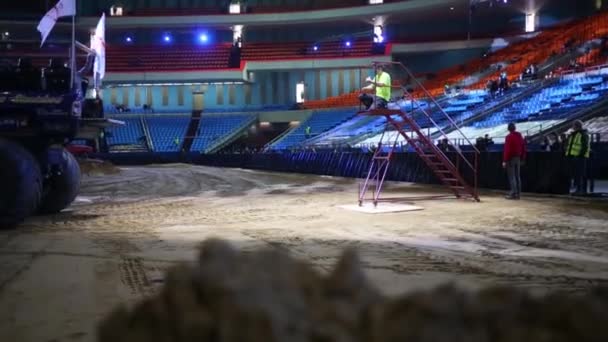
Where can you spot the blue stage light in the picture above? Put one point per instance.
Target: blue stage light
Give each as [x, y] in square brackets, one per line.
[203, 38]
[129, 39]
[347, 43]
[315, 48]
[167, 38]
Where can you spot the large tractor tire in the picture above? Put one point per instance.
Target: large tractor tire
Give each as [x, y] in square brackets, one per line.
[62, 185]
[20, 183]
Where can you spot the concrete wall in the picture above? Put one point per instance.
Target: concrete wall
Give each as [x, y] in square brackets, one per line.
[267, 88]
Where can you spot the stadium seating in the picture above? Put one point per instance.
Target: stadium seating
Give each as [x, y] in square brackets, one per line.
[167, 132]
[555, 102]
[213, 127]
[167, 58]
[459, 108]
[292, 50]
[131, 133]
[542, 109]
[319, 122]
[515, 58]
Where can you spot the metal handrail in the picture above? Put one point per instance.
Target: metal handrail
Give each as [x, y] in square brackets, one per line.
[585, 71]
[432, 98]
[429, 96]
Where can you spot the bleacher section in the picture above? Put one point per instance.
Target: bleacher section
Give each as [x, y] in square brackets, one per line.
[294, 50]
[513, 60]
[544, 108]
[132, 133]
[319, 122]
[214, 127]
[167, 58]
[167, 132]
[459, 108]
[111, 110]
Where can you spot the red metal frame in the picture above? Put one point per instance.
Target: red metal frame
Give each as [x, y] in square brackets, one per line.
[443, 168]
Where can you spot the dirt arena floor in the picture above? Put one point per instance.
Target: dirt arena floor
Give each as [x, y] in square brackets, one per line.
[60, 274]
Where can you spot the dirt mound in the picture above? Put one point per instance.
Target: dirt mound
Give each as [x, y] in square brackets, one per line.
[269, 296]
[94, 167]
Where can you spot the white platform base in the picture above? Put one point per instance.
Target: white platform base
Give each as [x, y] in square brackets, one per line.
[382, 208]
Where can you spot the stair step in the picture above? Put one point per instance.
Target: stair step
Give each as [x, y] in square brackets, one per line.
[430, 155]
[451, 180]
[443, 171]
[381, 158]
[457, 187]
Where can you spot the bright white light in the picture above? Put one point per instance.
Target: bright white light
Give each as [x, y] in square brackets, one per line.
[129, 39]
[451, 8]
[347, 44]
[203, 38]
[7, 33]
[300, 92]
[375, 2]
[167, 38]
[315, 48]
[237, 32]
[234, 8]
[378, 34]
[116, 11]
[530, 22]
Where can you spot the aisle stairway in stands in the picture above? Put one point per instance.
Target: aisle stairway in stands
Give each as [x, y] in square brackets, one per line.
[192, 128]
[129, 137]
[319, 122]
[167, 132]
[214, 130]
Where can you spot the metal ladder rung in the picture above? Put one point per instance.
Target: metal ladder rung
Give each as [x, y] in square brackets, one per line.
[457, 187]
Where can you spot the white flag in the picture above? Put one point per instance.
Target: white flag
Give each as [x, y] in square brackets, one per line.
[98, 44]
[63, 8]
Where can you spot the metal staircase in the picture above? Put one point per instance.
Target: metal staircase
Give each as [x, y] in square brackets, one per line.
[446, 170]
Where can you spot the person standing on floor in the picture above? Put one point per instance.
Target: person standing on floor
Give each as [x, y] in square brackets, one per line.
[514, 155]
[578, 148]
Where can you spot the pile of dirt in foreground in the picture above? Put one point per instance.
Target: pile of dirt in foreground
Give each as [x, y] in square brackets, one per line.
[269, 296]
[94, 167]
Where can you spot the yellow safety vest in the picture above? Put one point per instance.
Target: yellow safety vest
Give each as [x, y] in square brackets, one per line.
[575, 145]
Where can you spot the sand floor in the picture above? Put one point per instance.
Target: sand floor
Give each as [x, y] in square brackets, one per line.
[60, 274]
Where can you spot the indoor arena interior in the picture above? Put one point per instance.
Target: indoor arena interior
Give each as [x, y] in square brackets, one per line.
[281, 170]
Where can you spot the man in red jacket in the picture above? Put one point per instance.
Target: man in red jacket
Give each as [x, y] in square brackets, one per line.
[513, 156]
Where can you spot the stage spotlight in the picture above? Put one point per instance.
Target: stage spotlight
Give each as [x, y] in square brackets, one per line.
[315, 48]
[203, 38]
[167, 38]
[129, 39]
[347, 43]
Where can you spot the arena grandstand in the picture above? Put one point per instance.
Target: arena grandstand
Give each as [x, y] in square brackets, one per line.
[248, 120]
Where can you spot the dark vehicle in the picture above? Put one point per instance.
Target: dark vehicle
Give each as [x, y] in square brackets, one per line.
[41, 112]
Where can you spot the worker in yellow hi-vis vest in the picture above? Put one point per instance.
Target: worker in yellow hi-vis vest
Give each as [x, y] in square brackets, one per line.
[578, 149]
[382, 86]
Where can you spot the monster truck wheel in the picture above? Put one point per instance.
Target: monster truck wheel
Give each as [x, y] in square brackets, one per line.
[20, 183]
[61, 188]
